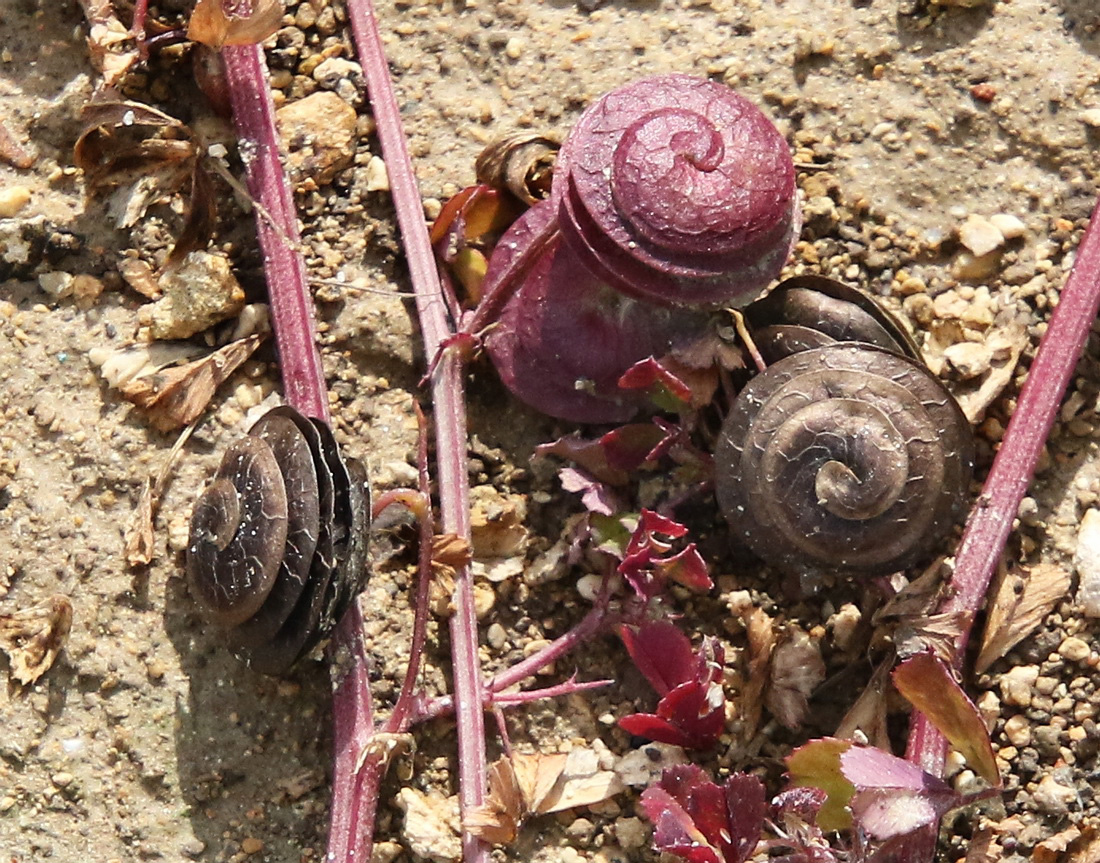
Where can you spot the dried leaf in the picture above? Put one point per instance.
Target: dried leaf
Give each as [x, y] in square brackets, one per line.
[538, 784]
[234, 22]
[139, 535]
[927, 683]
[866, 720]
[450, 552]
[143, 156]
[176, 396]
[33, 637]
[1007, 342]
[1022, 599]
[760, 630]
[796, 670]
[984, 848]
[111, 45]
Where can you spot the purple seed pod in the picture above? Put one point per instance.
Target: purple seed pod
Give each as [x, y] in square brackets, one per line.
[564, 337]
[678, 191]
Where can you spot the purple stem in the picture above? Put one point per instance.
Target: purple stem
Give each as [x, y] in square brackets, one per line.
[991, 519]
[449, 409]
[354, 785]
[277, 225]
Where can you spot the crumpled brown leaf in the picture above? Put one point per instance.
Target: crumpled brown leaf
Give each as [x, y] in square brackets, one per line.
[761, 632]
[234, 22]
[1022, 598]
[797, 669]
[538, 784]
[111, 45]
[33, 637]
[174, 396]
[142, 155]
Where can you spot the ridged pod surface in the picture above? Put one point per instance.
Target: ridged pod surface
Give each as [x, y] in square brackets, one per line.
[278, 544]
[678, 191]
[846, 458]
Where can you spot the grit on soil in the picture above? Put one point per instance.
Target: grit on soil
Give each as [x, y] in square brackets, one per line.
[146, 740]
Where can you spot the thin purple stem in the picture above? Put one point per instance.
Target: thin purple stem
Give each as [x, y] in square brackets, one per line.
[449, 409]
[277, 225]
[991, 519]
[506, 699]
[406, 700]
[354, 784]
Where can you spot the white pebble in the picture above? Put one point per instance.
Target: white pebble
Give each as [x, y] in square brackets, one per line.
[1010, 226]
[1086, 559]
[1054, 797]
[378, 180]
[980, 235]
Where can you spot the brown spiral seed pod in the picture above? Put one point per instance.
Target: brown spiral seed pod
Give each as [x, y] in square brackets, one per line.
[846, 458]
[278, 545]
[813, 311]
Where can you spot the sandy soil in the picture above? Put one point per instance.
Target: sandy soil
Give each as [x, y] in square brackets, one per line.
[146, 740]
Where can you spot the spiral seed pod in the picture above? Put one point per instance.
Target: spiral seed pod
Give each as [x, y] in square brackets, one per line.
[678, 191]
[278, 545]
[844, 458]
[813, 311]
[522, 164]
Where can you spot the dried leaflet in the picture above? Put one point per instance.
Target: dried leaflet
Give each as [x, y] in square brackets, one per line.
[234, 22]
[538, 784]
[760, 629]
[1022, 598]
[140, 156]
[33, 637]
[139, 533]
[866, 719]
[175, 396]
[111, 45]
[796, 670]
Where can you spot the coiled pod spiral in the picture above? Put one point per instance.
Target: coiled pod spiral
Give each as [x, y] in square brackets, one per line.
[278, 543]
[849, 456]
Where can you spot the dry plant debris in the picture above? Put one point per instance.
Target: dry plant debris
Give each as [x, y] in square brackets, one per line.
[32, 637]
[1022, 598]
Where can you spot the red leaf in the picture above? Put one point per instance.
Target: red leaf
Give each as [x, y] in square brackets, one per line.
[662, 653]
[686, 568]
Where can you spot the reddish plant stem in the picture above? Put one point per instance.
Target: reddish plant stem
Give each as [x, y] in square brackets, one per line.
[991, 519]
[354, 784]
[406, 701]
[277, 225]
[448, 400]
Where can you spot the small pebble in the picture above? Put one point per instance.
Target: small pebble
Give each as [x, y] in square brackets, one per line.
[1053, 797]
[252, 845]
[378, 180]
[1091, 117]
[12, 200]
[61, 780]
[1018, 730]
[1011, 227]
[969, 359]
[1086, 560]
[1016, 685]
[632, 833]
[1074, 649]
[980, 235]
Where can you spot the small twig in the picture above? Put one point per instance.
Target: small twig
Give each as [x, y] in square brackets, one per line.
[449, 410]
[991, 519]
